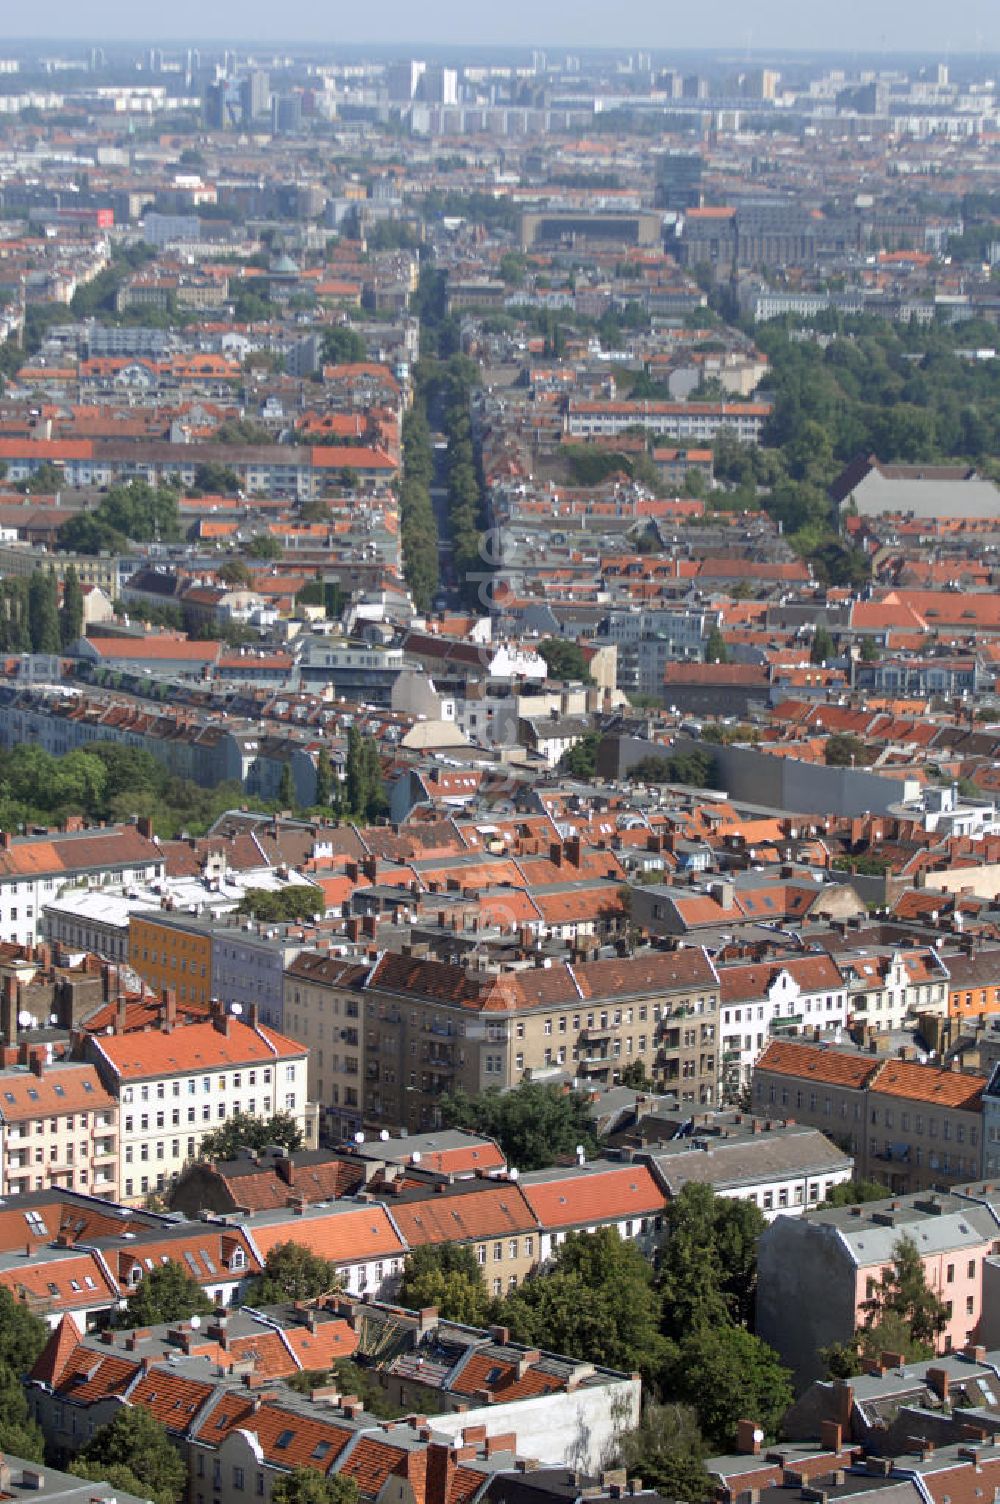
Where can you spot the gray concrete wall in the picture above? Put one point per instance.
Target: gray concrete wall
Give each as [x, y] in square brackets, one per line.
[805, 1293]
[778, 782]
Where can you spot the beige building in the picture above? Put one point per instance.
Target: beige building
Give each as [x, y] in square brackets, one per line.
[398, 1035]
[59, 1127]
[908, 1126]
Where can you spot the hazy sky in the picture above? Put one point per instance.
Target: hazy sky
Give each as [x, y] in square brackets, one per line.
[968, 26]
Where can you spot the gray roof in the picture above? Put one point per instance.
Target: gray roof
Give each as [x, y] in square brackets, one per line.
[731, 1165]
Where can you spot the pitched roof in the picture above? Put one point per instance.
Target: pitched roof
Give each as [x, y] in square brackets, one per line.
[584, 1196]
[194, 1047]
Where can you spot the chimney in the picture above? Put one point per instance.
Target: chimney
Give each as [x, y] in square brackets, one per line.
[144, 826]
[831, 1435]
[37, 1063]
[748, 1437]
[5, 840]
[843, 1394]
[939, 1381]
[168, 1009]
[556, 853]
[440, 1472]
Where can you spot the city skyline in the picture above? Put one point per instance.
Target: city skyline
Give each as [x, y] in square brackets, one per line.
[967, 27]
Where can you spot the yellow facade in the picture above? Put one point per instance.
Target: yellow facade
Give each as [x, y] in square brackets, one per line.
[168, 955]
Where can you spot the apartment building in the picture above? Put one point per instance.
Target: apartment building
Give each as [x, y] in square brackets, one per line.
[816, 1271]
[492, 1217]
[691, 423]
[35, 869]
[223, 956]
[175, 1084]
[429, 1027]
[58, 1127]
[907, 1125]
[799, 994]
[322, 1007]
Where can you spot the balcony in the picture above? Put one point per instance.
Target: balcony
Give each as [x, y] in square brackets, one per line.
[593, 1035]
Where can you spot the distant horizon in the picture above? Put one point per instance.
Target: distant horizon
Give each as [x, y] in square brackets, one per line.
[967, 28]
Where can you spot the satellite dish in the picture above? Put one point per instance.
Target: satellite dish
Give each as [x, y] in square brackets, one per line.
[384, 1135]
[359, 1138]
[195, 1323]
[236, 1008]
[514, 1173]
[25, 1019]
[415, 1157]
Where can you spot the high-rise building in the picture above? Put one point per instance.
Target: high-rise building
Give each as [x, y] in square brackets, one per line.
[286, 114]
[403, 80]
[438, 86]
[255, 95]
[678, 181]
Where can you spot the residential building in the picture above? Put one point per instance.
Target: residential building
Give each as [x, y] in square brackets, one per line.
[35, 869]
[798, 995]
[430, 1027]
[815, 1272]
[177, 1083]
[907, 1125]
[58, 1127]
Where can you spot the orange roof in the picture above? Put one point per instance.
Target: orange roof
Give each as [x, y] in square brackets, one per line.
[579, 1199]
[349, 1235]
[816, 1063]
[194, 1047]
[481, 1212]
[930, 1084]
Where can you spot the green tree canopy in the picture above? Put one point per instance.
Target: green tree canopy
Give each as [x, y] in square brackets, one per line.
[71, 611]
[166, 1292]
[727, 1374]
[136, 1441]
[902, 1315]
[241, 1131]
[19, 1433]
[844, 750]
[533, 1124]
[292, 1272]
[854, 1192]
[565, 660]
[305, 1485]
[715, 647]
[821, 649]
[667, 1451]
[342, 346]
[596, 1298]
[446, 1275]
[285, 905]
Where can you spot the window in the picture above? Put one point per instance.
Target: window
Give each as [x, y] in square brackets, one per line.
[238, 1478]
[481, 1253]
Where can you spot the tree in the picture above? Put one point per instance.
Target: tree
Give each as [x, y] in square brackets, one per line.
[870, 652]
[667, 1451]
[286, 788]
[305, 1485]
[565, 660]
[43, 612]
[580, 760]
[236, 572]
[903, 1292]
[690, 1264]
[446, 1275]
[166, 1292]
[533, 1124]
[265, 547]
[596, 1298]
[242, 1131]
[22, 1334]
[292, 1272]
[715, 647]
[727, 1374]
[843, 750]
[324, 777]
[19, 1433]
[285, 906]
[342, 347]
[71, 611]
[822, 649]
[854, 1192]
[136, 1440]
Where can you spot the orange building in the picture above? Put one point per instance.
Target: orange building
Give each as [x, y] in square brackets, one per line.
[169, 953]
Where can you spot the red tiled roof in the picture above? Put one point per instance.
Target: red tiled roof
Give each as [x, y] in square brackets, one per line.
[194, 1047]
[582, 1200]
